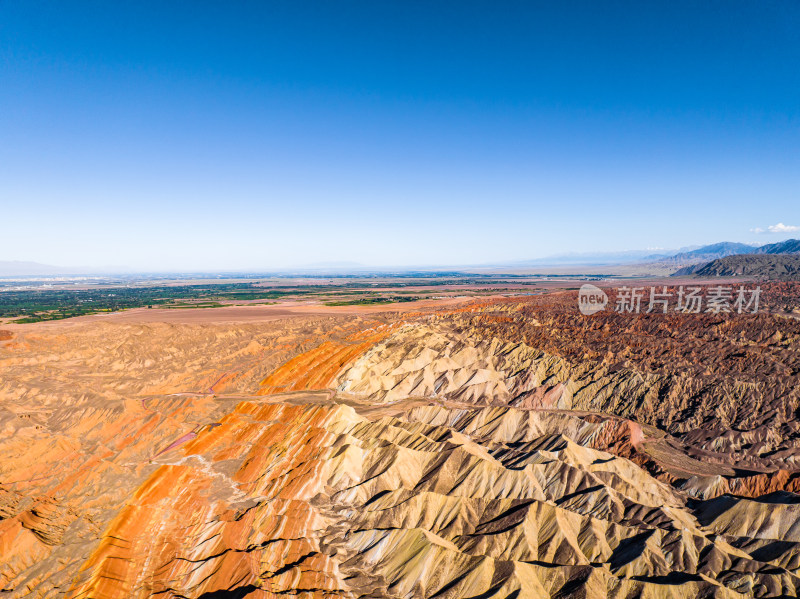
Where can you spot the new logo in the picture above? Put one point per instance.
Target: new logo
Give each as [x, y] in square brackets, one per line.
[591, 299]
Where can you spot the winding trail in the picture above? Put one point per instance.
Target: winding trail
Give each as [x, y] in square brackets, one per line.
[184, 438]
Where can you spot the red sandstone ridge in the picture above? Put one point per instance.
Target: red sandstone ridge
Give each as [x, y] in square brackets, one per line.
[502, 448]
[318, 367]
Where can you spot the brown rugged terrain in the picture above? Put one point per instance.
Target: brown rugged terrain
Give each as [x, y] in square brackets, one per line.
[761, 266]
[509, 448]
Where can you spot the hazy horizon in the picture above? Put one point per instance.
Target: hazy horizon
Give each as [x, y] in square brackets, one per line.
[565, 260]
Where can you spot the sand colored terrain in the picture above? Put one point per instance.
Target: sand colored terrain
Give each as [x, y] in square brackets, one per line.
[252, 312]
[501, 448]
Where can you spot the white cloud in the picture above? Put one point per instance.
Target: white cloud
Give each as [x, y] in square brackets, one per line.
[779, 228]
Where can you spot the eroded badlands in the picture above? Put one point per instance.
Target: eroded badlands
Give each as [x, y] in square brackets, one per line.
[509, 448]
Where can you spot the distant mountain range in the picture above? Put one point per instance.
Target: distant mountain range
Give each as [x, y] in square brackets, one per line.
[762, 266]
[22, 268]
[771, 261]
[595, 258]
[726, 258]
[18, 268]
[687, 260]
[790, 246]
[709, 252]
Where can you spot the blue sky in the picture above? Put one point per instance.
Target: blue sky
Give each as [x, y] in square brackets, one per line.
[256, 135]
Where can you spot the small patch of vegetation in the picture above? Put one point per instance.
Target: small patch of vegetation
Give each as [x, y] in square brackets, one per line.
[185, 306]
[366, 301]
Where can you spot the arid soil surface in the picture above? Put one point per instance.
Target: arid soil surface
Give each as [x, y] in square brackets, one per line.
[261, 313]
[501, 447]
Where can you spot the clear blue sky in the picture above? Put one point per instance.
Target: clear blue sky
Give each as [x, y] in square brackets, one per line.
[220, 135]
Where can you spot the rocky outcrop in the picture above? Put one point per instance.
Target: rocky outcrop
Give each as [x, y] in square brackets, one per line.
[463, 359]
